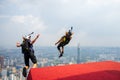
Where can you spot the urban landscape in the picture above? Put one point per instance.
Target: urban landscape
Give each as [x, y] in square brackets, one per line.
[12, 61]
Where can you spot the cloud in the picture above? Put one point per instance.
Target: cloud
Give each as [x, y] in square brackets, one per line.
[18, 19]
[29, 21]
[4, 16]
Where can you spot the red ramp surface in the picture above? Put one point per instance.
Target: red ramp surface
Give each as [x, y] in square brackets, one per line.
[107, 70]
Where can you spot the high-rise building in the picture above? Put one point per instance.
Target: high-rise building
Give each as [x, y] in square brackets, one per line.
[78, 54]
[1, 61]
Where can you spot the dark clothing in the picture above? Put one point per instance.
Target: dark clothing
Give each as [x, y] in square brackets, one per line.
[27, 50]
[29, 56]
[66, 40]
[27, 47]
[61, 45]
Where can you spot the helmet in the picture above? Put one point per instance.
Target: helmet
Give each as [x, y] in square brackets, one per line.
[26, 37]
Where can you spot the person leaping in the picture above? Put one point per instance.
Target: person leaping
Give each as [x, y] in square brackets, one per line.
[64, 40]
[28, 51]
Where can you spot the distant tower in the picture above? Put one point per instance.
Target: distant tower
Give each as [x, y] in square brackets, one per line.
[78, 54]
[1, 62]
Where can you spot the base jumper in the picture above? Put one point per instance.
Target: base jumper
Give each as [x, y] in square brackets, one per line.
[64, 40]
[28, 51]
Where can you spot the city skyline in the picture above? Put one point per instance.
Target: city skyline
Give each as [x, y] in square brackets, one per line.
[95, 22]
[13, 62]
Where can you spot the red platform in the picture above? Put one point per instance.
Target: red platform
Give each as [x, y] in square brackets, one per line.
[107, 70]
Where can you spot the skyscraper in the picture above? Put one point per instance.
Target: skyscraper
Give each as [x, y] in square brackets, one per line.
[1, 61]
[78, 53]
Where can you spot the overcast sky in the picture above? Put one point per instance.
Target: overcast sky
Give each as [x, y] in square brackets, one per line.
[95, 22]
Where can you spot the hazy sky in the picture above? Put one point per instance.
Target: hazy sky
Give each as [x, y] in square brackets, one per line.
[95, 22]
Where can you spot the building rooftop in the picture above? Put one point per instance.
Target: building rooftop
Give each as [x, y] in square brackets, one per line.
[106, 70]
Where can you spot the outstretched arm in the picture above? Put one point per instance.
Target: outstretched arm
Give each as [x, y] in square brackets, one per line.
[61, 39]
[33, 41]
[18, 44]
[71, 36]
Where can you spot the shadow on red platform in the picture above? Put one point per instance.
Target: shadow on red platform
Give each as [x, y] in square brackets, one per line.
[101, 75]
[107, 70]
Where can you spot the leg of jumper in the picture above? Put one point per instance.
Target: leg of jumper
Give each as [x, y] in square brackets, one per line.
[26, 59]
[33, 59]
[59, 48]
